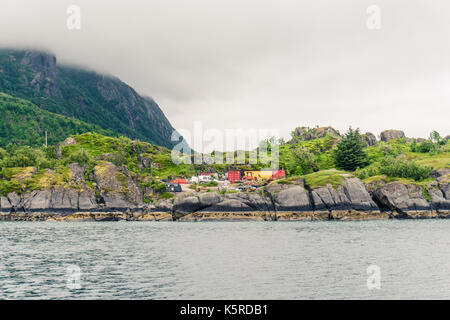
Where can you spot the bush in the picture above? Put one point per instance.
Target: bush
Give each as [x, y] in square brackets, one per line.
[404, 169]
[158, 186]
[350, 152]
[19, 157]
[423, 147]
[367, 172]
[305, 161]
[81, 156]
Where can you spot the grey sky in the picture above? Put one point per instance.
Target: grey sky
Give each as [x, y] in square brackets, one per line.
[259, 63]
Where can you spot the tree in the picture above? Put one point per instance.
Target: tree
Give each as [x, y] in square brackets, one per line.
[304, 161]
[350, 152]
[436, 138]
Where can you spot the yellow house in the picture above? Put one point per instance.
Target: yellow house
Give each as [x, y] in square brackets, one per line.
[258, 175]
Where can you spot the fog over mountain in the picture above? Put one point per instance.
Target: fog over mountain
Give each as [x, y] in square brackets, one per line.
[258, 63]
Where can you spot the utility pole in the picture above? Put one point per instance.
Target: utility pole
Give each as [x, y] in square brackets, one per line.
[46, 139]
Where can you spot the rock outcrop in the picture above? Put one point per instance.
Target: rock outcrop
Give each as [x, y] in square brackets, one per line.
[370, 139]
[116, 196]
[306, 133]
[117, 190]
[349, 201]
[404, 201]
[388, 135]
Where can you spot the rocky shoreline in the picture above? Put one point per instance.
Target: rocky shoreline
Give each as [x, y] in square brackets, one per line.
[116, 197]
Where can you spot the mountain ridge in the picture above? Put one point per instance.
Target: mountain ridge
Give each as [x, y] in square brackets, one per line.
[86, 95]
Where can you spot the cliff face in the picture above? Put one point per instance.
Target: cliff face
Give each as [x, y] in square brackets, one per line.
[96, 99]
[116, 195]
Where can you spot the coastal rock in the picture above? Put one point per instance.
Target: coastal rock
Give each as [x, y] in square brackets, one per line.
[37, 200]
[5, 205]
[388, 135]
[291, 202]
[186, 205]
[233, 209]
[15, 201]
[86, 200]
[439, 201]
[445, 188]
[117, 190]
[227, 215]
[64, 199]
[405, 201]
[256, 201]
[208, 199]
[155, 216]
[230, 207]
[94, 216]
[163, 206]
[294, 198]
[346, 202]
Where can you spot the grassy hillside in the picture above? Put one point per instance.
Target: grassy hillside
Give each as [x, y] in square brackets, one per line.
[22, 122]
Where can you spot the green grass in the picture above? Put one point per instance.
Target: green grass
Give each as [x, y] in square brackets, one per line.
[385, 179]
[322, 178]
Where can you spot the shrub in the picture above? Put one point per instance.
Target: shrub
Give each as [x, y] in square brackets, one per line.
[81, 156]
[404, 169]
[423, 147]
[158, 186]
[367, 172]
[305, 161]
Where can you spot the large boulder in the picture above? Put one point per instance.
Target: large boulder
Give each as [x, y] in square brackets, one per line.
[370, 139]
[294, 198]
[405, 201]
[388, 135]
[186, 205]
[208, 199]
[306, 133]
[291, 201]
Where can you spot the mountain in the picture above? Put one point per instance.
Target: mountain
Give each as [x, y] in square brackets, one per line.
[22, 122]
[102, 101]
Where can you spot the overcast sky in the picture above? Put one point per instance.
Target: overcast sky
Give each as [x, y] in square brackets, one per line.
[274, 64]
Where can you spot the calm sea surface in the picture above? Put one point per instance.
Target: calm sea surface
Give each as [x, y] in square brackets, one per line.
[221, 260]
